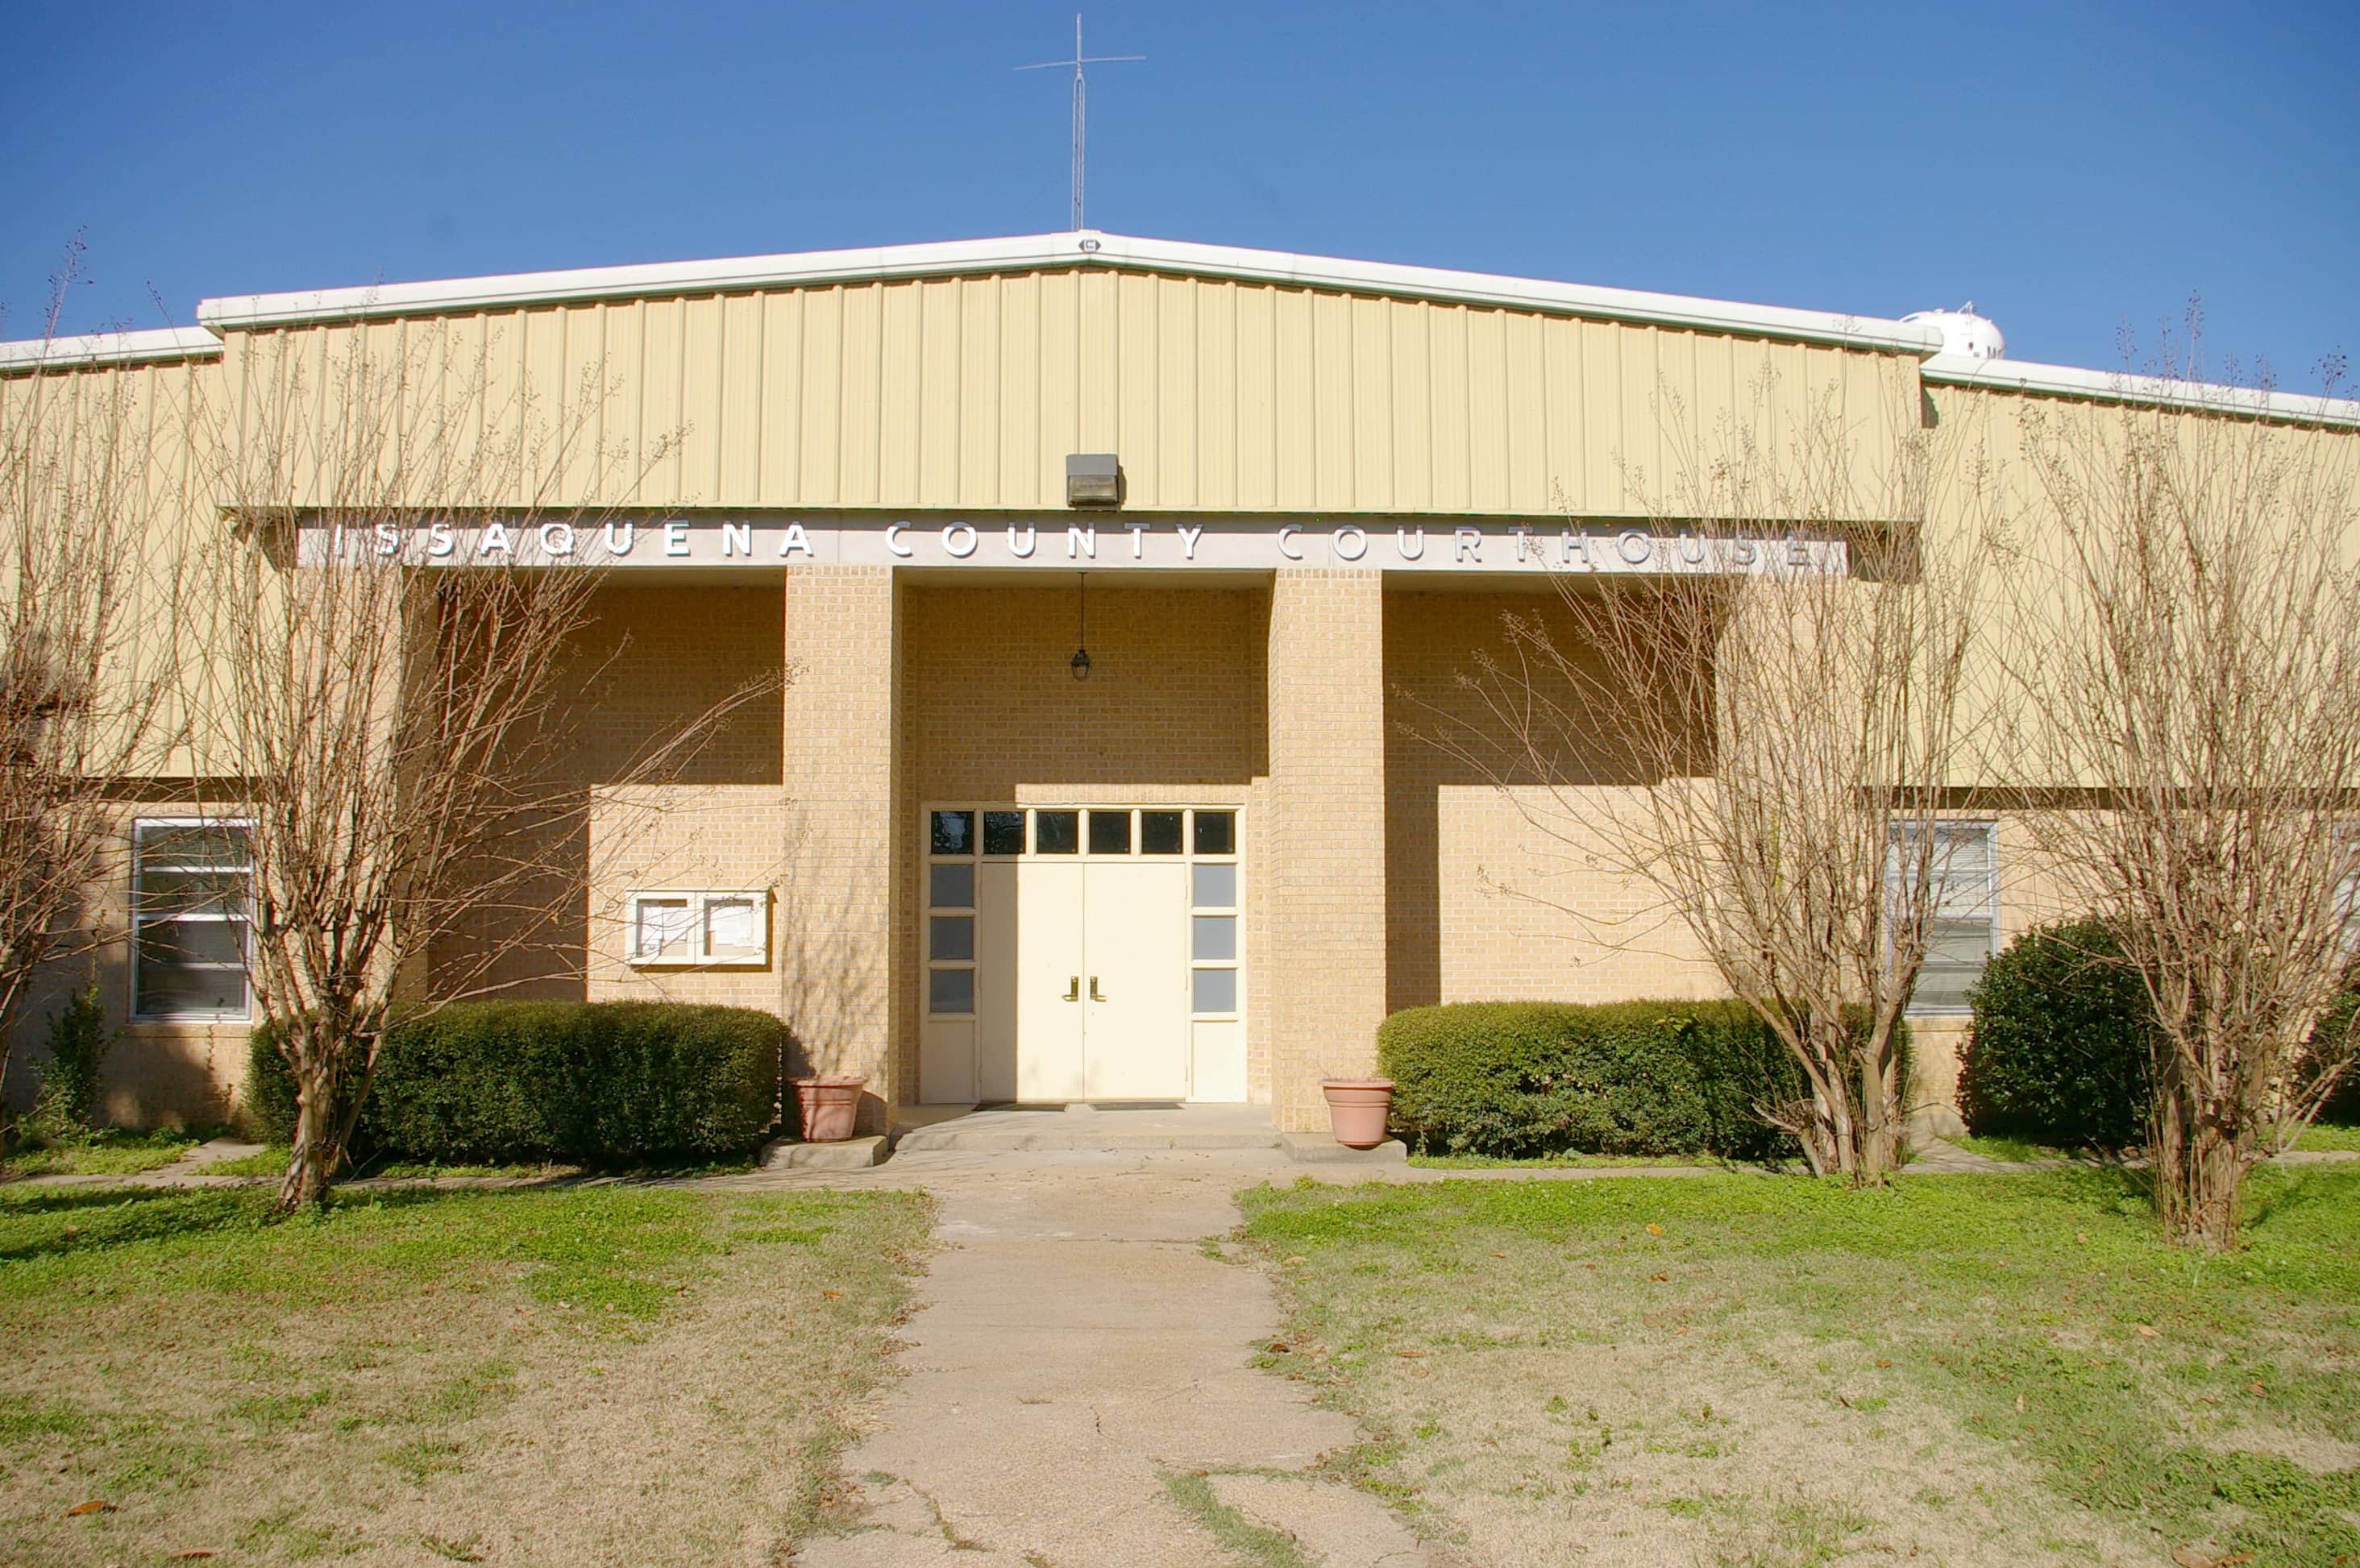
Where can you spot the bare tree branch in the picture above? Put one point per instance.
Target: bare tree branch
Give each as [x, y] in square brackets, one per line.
[1768, 746]
[2187, 682]
[398, 729]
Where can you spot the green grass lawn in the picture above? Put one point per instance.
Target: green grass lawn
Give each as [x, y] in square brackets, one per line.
[2003, 1369]
[2013, 1149]
[271, 1161]
[108, 1152]
[595, 1375]
[2330, 1139]
[1560, 1162]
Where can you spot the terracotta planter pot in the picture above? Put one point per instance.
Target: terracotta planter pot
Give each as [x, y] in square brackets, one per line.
[1358, 1108]
[830, 1106]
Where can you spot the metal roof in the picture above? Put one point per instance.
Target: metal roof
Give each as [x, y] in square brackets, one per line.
[1092, 249]
[1084, 249]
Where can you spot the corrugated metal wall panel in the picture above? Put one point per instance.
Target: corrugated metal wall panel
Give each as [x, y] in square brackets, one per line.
[1218, 395]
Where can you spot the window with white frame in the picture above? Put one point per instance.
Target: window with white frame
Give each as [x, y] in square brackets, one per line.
[704, 927]
[192, 895]
[1962, 925]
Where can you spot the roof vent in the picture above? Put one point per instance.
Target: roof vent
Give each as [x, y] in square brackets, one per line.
[1965, 336]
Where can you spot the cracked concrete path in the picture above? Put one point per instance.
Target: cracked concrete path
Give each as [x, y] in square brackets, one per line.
[1074, 1348]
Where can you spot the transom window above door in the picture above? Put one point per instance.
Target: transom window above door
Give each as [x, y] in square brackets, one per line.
[1087, 832]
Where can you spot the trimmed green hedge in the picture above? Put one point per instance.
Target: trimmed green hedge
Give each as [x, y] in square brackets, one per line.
[2063, 1047]
[2343, 1108]
[1521, 1079]
[2061, 1050]
[581, 1082]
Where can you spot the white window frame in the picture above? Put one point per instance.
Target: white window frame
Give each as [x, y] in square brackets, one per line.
[140, 921]
[699, 954]
[1894, 836]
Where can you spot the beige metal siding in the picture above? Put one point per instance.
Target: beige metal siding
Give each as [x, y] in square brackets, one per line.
[1219, 396]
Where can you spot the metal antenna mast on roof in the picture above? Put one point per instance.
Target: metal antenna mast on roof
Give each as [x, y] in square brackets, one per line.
[1079, 61]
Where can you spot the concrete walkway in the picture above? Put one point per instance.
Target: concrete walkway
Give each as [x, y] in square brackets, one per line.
[1078, 1389]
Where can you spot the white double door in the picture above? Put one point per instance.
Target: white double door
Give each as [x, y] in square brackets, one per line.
[1083, 974]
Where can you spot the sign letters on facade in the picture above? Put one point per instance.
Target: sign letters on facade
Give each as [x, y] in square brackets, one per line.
[1059, 541]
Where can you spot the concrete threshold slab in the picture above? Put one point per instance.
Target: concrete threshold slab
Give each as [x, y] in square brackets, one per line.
[1033, 1130]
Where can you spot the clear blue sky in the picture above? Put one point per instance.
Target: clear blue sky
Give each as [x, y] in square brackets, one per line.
[2075, 170]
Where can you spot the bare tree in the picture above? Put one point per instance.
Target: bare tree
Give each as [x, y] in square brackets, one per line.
[1784, 710]
[2188, 678]
[392, 701]
[87, 612]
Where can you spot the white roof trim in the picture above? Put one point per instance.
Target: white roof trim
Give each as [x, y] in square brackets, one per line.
[2121, 386]
[110, 348]
[1087, 248]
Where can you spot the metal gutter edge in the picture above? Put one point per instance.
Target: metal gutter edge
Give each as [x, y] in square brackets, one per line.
[2121, 386]
[109, 348]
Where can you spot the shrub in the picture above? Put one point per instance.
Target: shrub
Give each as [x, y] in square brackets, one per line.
[2336, 1032]
[79, 1041]
[588, 1083]
[2060, 1047]
[1519, 1079]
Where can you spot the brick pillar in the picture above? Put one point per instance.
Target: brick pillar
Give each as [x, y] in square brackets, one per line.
[840, 889]
[1325, 836]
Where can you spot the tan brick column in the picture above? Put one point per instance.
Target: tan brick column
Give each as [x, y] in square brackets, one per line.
[1325, 836]
[840, 891]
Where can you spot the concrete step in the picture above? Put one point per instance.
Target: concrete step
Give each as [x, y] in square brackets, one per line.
[1318, 1149]
[851, 1154]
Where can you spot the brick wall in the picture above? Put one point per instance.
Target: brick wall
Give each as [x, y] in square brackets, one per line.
[164, 1072]
[1173, 711]
[844, 864]
[1325, 840]
[1493, 863]
[1384, 871]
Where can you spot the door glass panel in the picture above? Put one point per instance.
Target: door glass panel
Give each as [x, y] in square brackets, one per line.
[950, 990]
[1217, 936]
[1003, 832]
[1216, 991]
[1216, 885]
[1109, 833]
[1216, 832]
[1056, 832]
[1159, 832]
[953, 936]
[954, 833]
[951, 886]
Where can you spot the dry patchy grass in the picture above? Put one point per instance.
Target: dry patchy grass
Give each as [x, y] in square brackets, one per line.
[609, 1374]
[2004, 1370]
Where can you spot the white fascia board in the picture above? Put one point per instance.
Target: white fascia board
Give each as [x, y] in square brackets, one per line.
[109, 348]
[2121, 386]
[1087, 248]
[1521, 293]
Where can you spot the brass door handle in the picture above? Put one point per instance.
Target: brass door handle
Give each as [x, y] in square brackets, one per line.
[1094, 990]
[1074, 987]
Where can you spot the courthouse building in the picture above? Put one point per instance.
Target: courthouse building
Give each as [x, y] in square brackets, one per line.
[1120, 586]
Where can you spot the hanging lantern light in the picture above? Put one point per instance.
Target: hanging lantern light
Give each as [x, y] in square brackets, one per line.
[1080, 663]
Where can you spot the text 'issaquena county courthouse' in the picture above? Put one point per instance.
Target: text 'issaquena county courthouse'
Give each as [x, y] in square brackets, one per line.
[1280, 500]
